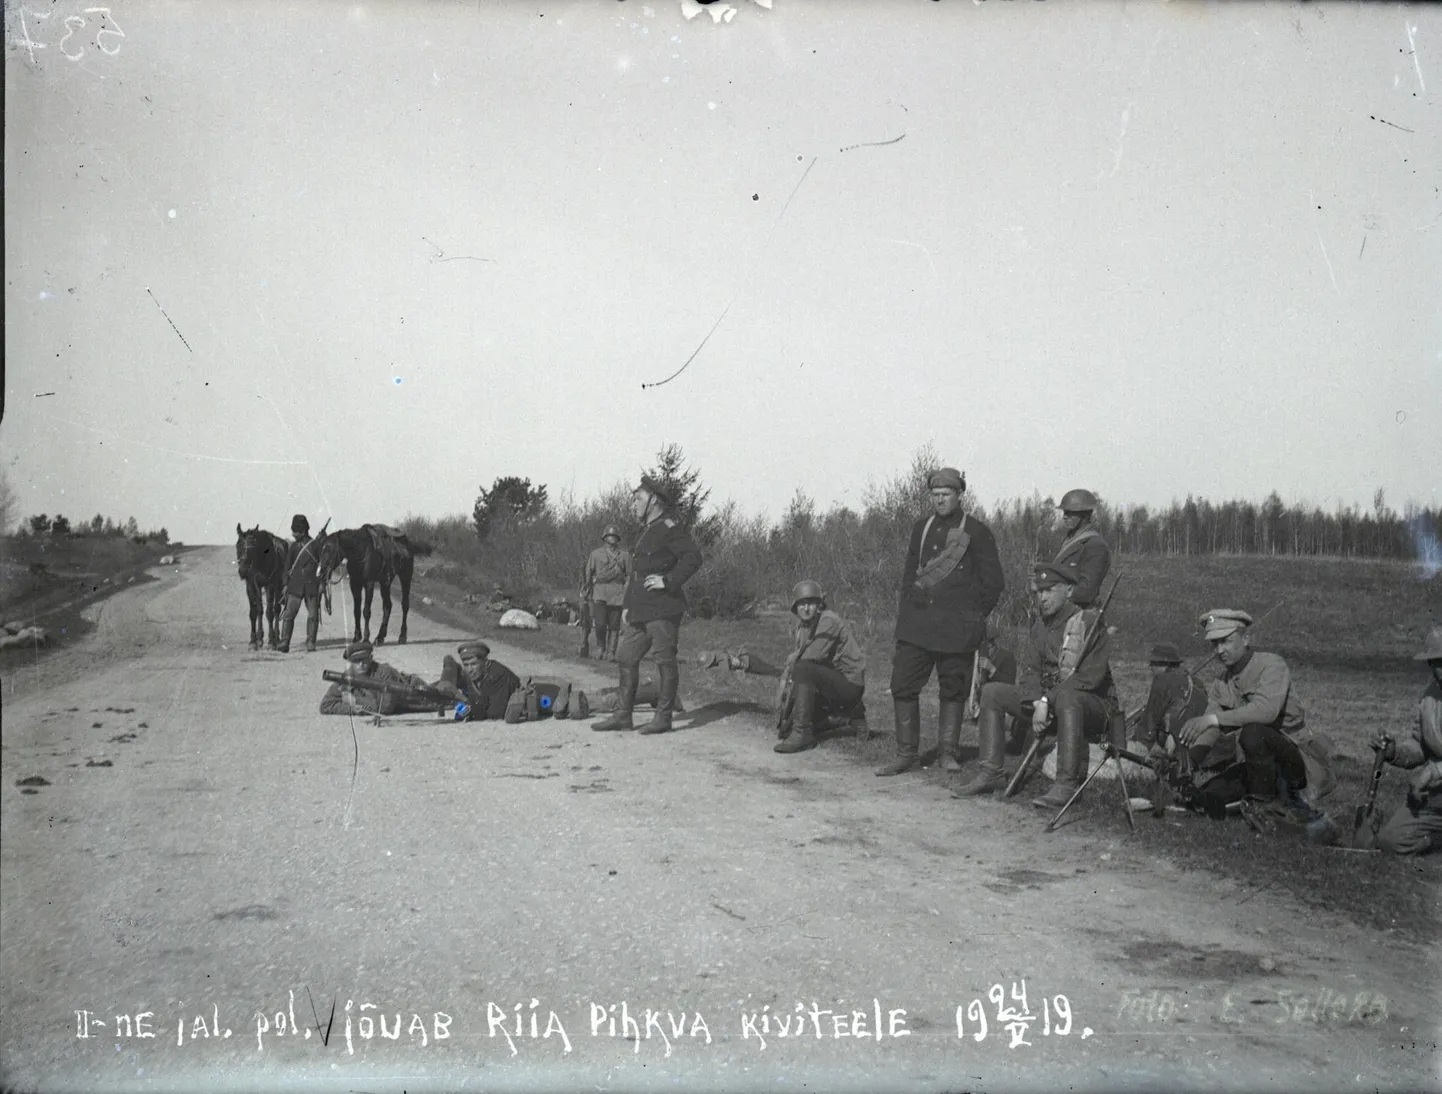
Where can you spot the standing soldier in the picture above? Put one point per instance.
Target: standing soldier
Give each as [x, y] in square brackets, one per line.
[1416, 827]
[302, 583]
[827, 667]
[607, 573]
[1063, 680]
[1083, 554]
[663, 561]
[951, 582]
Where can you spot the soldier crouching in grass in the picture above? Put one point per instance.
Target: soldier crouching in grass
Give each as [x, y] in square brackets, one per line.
[1416, 827]
[343, 700]
[951, 582]
[663, 560]
[826, 670]
[1064, 679]
[1280, 759]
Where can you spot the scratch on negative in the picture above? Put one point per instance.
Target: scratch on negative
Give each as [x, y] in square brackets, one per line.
[1330, 272]
[873, 144]
[1412, 41]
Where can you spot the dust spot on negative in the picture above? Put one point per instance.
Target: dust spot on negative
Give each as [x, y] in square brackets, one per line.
[249, 912]
[98, 763]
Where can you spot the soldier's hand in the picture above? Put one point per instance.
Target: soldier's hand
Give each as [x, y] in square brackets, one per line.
[1423, 781]
[1381, 741]
[1193, 728]
[655, 581]
[1039, 716]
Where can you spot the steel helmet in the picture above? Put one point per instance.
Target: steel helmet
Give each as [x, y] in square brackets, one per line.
[1078, 501]
[611, 530]
[807, 590]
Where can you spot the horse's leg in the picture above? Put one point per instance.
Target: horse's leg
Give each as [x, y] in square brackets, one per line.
[252, 594]
[385, 584]
[405, 576]
[355, 601]
[274, 611]
[370, 595]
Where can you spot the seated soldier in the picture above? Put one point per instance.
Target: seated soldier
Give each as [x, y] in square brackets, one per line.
[485, 686]
[1176, 695]
[1255, 695]
[995, 663]
[827, 669]
[1416, 827]
[340, 699]
[1056, 685]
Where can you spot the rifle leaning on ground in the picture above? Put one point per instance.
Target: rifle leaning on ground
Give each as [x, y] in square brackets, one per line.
[1093, 632]
[442, 701]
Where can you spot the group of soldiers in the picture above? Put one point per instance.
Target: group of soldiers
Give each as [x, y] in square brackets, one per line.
[1238, 744]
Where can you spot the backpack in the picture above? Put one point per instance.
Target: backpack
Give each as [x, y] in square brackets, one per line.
[539, 698]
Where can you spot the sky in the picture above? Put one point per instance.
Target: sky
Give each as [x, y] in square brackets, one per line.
[358, 260]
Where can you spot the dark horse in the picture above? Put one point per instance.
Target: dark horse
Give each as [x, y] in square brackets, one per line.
[260, 560]
[374, 555]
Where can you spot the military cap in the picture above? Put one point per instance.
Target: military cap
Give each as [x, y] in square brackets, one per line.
[358, 651]
[1221, 622]
[475, 645]
[299, 525]
[1044, 576]
[1432, 647]
[611, 530]
[651, 486]
[946, 477]
[1165, 653]
[1077, 501]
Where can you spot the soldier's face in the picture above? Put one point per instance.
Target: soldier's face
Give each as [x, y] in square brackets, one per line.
[363, 667]
[1072, 521]
[1232, 648]
[611, 541]
[1051, 599]
[640, 502]
[945, 500]
[473, 664]
[807, 610]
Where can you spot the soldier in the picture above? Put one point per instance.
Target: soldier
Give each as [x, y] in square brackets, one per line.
[1083, 554]
[1061, 680]
[1416, 827]
[343, 700]
[951, 582]
[1175, 696]
[608, 570]
[1254, 694]
[302, 584]
[485, 686]
[827, 668]
[663, 561]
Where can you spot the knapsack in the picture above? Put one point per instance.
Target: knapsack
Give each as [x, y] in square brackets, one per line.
[539, 698]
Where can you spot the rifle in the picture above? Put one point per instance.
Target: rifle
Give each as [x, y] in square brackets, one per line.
[1091, 636]
[440, 699]
[787, 700]
[1365, 809]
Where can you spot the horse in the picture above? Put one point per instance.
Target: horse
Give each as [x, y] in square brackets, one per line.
[260, 561]
[373, 555]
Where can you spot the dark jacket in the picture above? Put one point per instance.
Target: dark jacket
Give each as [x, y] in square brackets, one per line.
[1041, 658]
[487, 697]
[667, 549]
[302, 576]
[949, 617]
[1175, 697]
[1085, 557]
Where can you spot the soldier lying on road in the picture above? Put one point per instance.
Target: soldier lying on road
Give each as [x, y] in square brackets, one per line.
[485, 686]
[826, 672]
[344, 700]
[1416, 827]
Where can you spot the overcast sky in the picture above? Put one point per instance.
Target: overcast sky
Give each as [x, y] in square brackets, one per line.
[356, 260]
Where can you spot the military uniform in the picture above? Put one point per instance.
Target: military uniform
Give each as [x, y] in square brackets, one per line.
[1084, 555]
[827, 667]
[607, 573]
[653, 616]
[302, 585]
[342, 700]
[1064, 664]
[485, 697]
[950, 583]
[1175, 696]
[1416, 827]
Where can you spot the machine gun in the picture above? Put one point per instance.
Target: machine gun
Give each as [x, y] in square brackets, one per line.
[1097, 628]
[440, 701]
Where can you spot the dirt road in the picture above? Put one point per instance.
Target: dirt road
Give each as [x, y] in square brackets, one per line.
[210, 852]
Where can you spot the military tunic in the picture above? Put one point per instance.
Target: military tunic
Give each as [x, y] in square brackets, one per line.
[302, 579]
[1409, 830]
[950, 616]
[371, 702]
[1085, 557]
[487, 697]
[608, 570]
[667, 549]
[832, 642]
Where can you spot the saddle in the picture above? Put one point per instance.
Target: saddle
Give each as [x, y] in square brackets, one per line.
[390, 543]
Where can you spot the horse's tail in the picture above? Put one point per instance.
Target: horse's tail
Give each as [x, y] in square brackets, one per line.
[420, 547]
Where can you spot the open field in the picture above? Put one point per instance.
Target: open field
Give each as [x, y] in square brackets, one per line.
[1348, 628]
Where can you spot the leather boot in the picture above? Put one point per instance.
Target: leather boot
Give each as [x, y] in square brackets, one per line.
[585, 651]
[991, 776]
[670, 674]
[908, 738]
[803, 720]
[949, 735]
[625, 701]
[1071, 760]
[312, 629]
[287, 626]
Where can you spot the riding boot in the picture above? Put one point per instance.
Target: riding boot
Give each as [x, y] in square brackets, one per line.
[1071, 760]
[908, 738]
[312, 630]
[949, 734]
[287, 625]
[803, 720]
[585, 651]
[613, 637]
[670, 674]
[625, 701]
[991, 776]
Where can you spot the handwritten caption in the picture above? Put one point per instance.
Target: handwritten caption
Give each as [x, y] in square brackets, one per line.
[518, 1024]
[1279, 1006]
[71, 35]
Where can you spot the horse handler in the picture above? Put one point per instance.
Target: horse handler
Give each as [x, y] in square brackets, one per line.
[302, 583]
[664, 559]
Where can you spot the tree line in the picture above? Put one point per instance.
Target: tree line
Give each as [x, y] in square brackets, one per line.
[42, 524]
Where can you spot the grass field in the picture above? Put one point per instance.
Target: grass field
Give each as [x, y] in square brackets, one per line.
[1348, 629]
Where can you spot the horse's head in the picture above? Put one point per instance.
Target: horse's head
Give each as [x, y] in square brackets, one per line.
[250, 548]
[330, 557]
